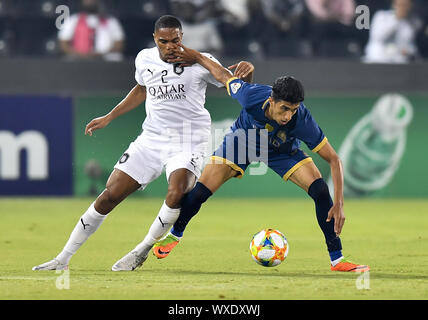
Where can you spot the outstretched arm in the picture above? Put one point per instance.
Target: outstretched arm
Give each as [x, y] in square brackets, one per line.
[189, 56]
[243, 70]
[329, 154]
[134, 98]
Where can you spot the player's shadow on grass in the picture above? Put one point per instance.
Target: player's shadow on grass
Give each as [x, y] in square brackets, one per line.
[279, 274]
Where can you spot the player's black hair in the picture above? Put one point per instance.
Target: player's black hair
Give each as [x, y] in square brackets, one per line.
[167, 21]
[288, 89]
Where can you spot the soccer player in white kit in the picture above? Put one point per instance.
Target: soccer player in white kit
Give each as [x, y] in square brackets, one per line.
[175, 136]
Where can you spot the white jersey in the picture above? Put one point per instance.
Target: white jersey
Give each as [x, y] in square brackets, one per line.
[175, 96]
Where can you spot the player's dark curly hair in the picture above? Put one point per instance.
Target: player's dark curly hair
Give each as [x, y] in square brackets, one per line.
[167, 21]
[288, 89]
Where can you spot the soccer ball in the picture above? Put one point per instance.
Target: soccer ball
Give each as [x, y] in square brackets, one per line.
[269, 247]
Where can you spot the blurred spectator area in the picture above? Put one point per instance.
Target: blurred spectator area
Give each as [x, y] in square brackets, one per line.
[28, 27]
[246, 28]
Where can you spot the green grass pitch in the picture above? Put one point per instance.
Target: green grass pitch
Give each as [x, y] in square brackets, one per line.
[213, 260]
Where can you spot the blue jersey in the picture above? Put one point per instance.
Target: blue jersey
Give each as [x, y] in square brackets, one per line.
[282, 138]
[255, 138]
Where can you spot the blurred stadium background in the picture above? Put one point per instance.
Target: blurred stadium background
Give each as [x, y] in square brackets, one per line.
[366, 85]
[48, 94]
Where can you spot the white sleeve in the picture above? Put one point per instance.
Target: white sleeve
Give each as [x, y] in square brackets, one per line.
[116, 30]
[67, 30]
[138, 69]
[384, 24]
[207, 76]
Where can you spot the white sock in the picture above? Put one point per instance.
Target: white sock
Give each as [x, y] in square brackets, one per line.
[164, 220]
[333, 263]
[87, 225]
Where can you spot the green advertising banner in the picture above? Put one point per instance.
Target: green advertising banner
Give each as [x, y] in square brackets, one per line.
[379, 139]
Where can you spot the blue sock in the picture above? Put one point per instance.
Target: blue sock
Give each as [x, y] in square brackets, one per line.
[318, 191]
[190, 205]
[334, 255]
[176, 233]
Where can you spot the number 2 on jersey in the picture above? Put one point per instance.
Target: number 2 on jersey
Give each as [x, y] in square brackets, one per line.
[164, 73]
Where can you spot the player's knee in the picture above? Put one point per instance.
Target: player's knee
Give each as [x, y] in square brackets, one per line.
[107, 200]
[199, 194]
[319, 189]
[174, 196]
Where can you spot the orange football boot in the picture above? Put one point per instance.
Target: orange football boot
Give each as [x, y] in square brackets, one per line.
[162, 248]
[348, 266]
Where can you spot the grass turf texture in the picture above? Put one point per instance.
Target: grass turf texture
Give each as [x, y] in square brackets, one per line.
[213, 260]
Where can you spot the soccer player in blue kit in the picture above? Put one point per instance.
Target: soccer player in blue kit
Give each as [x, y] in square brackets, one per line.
[273, 121]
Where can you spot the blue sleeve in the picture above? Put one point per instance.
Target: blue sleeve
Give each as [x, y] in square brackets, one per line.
[308, 131]
[248, 95]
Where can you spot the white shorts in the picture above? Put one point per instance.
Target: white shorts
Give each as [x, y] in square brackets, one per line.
[147, 157]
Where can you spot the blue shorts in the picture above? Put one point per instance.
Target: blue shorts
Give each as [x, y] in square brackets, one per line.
[235, 153]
